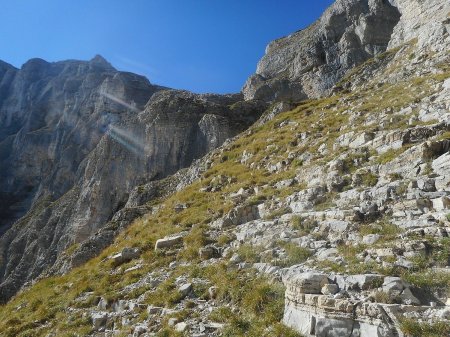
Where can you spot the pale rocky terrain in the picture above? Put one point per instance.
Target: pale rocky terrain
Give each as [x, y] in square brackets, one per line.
[308, 63]
[327, 217]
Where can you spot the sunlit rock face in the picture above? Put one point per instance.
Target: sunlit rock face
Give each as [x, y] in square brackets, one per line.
[427, 21]
[308, 63]
[75, 138]
[52, 116]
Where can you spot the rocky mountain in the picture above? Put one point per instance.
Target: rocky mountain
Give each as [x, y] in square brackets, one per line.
[76, 138]
[308, 63]
[52, 116]
[328, 217]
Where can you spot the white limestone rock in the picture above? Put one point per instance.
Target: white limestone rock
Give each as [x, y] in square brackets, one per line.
[168, 242]
[308, 283]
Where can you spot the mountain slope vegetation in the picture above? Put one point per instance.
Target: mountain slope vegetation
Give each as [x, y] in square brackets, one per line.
[264, 166]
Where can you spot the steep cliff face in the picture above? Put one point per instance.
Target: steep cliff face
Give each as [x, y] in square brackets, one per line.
[52, 116]
[76, 138]
[426, 21]
[309, 62]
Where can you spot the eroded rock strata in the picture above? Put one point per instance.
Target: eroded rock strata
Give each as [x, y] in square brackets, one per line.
[76, 138]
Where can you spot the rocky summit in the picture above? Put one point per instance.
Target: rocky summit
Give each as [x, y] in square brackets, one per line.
[308, 63]
[316, 202]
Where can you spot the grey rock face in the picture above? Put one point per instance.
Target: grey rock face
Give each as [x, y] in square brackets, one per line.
[426, 21]
[52, 116]
[311, 61]
[76, 138]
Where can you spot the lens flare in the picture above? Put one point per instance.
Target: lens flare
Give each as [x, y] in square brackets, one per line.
[119, 101]
[124, 137]
[127, 140]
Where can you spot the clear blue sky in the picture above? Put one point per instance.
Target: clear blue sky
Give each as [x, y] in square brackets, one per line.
[198, 45]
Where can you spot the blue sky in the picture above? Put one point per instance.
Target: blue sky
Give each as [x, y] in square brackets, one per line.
[198, 45]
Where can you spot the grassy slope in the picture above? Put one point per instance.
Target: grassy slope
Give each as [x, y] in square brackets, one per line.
[54, 305]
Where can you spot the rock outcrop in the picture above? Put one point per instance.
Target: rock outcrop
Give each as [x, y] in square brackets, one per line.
[52, 116]
[347, 312]
[310, 62]
[426, 21]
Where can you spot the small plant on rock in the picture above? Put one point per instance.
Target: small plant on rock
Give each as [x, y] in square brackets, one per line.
[304, 226]
[369, 179]
[295, 255]
[413, 328]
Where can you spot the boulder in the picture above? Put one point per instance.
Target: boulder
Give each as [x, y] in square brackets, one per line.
[336, 226]
[446, 84]
[285, 184]
[212, 292]
[367, 210]
[440, 204]
[363, 281]
[237, 216]
[308, 283]
[361, 139]
[335, 181]
[404, 263]
[104, 304]
[139, 330]
[301, 206]
[330, 289]
[209, 252]
[370, 239]
[181, 327]
[127, 254]
[151, 310]
[327, 254]
[172, 321]
[169, 242]
[408, 298]
[337, 165]
[185, 289]
[394, 285]
[306, 199]
[426, 185]
[99, 320]
[235, 259]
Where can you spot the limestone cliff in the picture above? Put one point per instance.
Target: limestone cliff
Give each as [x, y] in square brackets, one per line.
[75, 139]
[309, 62]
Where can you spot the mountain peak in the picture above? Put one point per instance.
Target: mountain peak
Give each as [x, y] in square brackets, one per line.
[99, 60]
[35, 62]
